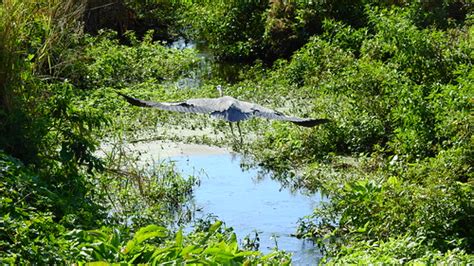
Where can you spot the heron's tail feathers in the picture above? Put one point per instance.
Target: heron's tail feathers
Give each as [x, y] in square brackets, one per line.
[311, 122]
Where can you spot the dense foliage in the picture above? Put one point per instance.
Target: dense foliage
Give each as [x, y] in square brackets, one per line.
[245, 30]
[400, 96]
[61, 201]
[395, 78]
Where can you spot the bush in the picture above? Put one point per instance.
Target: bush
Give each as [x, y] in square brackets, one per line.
[110, 64]
[231, 30]
[376, 98]
[151, 244]
[29, 225]
[401, 250]
[398, 95]
[270, 30]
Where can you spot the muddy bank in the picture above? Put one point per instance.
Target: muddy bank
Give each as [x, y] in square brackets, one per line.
[160, 149]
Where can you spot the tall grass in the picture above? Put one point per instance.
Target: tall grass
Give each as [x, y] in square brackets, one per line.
[33, 36]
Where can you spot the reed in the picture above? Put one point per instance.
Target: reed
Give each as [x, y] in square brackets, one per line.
[33, 37]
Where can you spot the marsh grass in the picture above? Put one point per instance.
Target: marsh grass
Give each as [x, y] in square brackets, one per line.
[31, 37]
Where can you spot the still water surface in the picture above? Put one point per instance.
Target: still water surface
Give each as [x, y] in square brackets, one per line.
[250, 204]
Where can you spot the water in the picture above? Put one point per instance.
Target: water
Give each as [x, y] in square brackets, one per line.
[208, 67]
[181, 44]
[248, 205]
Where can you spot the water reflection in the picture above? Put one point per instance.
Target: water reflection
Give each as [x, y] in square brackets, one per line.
[182, 43]
[250, 204]
[208, 67]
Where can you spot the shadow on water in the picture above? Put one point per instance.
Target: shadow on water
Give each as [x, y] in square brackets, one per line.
[249, 203]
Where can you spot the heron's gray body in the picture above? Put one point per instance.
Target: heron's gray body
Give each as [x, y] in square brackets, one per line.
[226, 108]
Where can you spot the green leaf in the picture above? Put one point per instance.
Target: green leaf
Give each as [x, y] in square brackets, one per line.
[150, 231]
[179, 238]
[393, 180]
[143, 234]
[220, 253]
[215, 226]
[247, 253]
[187, 250]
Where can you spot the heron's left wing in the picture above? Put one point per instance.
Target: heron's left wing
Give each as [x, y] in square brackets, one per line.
[190, 106]
[261, 111]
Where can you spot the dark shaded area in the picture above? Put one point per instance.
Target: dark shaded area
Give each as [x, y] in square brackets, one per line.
[100, 14]
[138, 16]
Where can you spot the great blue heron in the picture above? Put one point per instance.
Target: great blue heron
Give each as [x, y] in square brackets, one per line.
[226, 108]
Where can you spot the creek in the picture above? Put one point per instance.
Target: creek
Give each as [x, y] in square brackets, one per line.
[250, 203]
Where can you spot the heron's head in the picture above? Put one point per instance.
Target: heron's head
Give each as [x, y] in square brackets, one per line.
[221, 92]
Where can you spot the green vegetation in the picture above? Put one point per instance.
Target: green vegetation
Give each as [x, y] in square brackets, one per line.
[60, 201]
[400, 98]
[269, 30]
[395, 78]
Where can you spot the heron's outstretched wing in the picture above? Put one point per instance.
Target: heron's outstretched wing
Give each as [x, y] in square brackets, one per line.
[261, 111]
[203, 105]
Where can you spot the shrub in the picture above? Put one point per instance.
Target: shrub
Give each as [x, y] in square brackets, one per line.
[110, 64]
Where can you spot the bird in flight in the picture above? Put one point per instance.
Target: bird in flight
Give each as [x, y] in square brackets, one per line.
[226, 108]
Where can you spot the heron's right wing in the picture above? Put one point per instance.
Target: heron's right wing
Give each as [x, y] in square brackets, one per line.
[189, 106]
